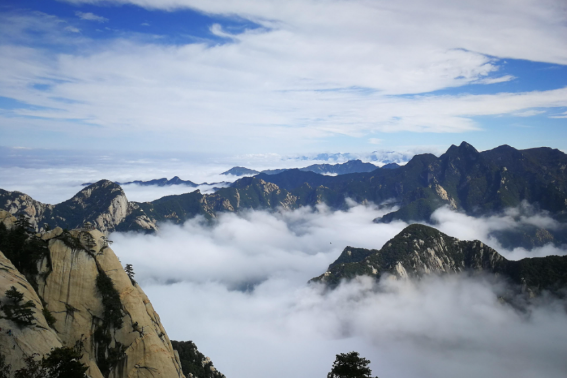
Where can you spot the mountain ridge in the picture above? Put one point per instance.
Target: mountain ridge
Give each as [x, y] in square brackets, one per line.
[463, 179]
[420, 250]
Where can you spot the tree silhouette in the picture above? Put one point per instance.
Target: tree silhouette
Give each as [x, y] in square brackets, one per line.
[21, 313]
[129, 269]
[350, 365]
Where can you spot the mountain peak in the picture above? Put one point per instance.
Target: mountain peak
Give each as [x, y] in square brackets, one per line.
[464, 151]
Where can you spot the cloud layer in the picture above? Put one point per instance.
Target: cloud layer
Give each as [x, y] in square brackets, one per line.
[238, 289]
[310, 71]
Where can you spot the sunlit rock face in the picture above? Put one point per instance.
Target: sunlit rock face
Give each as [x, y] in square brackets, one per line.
[18, 342]
[95, 305]
[420, 250]
[104, 204]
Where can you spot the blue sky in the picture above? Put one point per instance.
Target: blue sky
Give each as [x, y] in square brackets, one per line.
[262, 76]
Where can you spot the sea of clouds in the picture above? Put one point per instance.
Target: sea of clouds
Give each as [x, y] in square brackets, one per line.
[239, 290]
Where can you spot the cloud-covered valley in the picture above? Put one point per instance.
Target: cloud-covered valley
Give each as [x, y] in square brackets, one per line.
[238, 288]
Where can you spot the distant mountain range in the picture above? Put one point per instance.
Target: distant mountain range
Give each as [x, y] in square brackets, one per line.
[419, 250]
[381, 157]
[164, 182]
[476, 183]
[352, 166]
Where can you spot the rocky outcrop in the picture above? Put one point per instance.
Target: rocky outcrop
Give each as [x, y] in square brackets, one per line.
[7, 219]
[103, 204]
[17, 342]
[420, 250]
[95, 307]
[20, 203]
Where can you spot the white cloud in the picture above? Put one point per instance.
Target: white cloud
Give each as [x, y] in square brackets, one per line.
[72, 29]
[495, 80]
[562, 115]
[309, 73]
[90, 17]
[465, 227]
[238, 289]
[528, 113]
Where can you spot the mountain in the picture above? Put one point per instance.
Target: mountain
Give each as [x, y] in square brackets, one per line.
[462, 178]
[157, 182]
[162, 182]
[103, 204]
[420, 250]
[391, 166]
[352, 166]
[68, 289]
[476, 183]
[240, 171]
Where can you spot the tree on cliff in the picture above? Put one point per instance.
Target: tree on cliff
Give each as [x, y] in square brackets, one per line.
[20, 313]
[129, 269]
[60, 363]
[350, 365]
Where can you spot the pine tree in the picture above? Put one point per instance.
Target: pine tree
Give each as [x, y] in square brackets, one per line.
[130, 272]
[350, 365]
[21, 313]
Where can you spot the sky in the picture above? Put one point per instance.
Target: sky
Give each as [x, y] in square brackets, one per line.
[267, 76]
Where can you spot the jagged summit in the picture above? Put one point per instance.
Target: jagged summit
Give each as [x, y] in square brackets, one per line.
[420, 250]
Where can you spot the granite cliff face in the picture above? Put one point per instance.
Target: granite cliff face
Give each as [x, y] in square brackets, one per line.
[421, 250]
[84, 299]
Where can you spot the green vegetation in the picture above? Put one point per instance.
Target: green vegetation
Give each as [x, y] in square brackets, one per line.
[21, 246]
[60, 363]
[350, 365]
[192, 361]
[110, 301]
[108, 357]
[49, 318]
[70, 241]
[84, 241]
[129, 269]
[20, 313]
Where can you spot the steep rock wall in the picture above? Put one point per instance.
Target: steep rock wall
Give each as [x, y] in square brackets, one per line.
[116, 326]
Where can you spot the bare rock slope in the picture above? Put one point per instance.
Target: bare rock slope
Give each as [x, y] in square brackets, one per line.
[95, 306]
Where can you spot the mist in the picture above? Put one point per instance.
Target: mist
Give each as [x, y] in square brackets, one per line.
[239, 290]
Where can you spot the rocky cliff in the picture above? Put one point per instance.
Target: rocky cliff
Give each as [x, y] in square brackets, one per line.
[104, 204]
[421, 250]
[80, 297]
